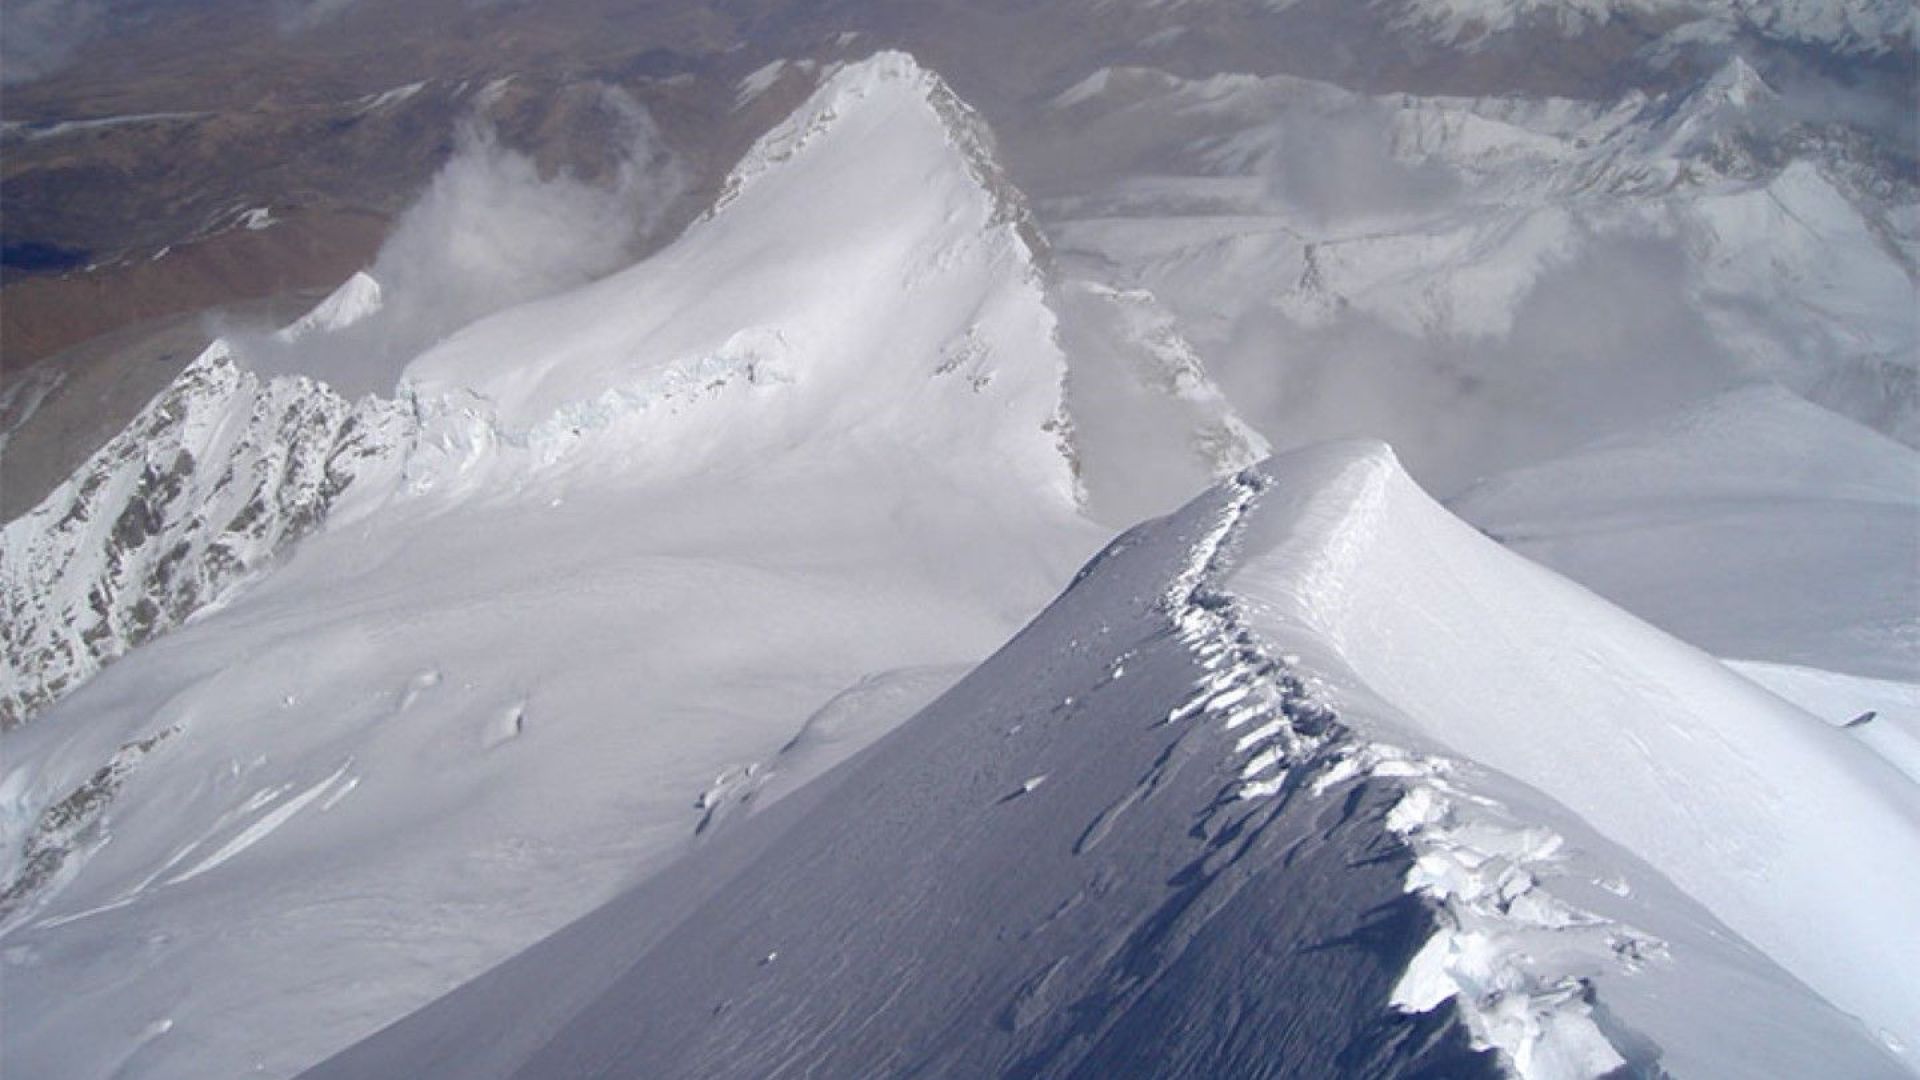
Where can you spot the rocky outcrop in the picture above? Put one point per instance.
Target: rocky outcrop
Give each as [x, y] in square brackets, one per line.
[213, 478]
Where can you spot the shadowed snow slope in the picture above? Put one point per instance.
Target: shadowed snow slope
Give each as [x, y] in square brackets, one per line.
[1137, 840]
[1756, 525]
[633, 540]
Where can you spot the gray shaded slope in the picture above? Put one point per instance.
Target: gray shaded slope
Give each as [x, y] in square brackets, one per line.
[1137, 841]
[1035, 876]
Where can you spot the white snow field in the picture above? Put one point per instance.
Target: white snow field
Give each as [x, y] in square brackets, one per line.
[1883, 714]
[1662, 519]
[1212, 814]
[607, 700]
[633, 556]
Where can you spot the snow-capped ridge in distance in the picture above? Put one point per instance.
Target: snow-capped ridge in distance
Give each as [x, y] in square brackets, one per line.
[1470, 24]
[1195, 729]
[1870, 27]
[1848, 27]
[1329, 253]
[357, 298]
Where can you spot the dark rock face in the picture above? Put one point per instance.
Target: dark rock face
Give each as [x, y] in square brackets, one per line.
[214, 478]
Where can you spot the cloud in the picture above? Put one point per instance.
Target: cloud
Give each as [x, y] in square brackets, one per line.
[1340, 164]
[488, 232]
[1600, 342]
[39, 37]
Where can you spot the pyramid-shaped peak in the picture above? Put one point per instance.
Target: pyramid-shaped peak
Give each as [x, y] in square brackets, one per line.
[891, 88]
[884, 79]
[1738, 84]
[357, 298]
[865, 268]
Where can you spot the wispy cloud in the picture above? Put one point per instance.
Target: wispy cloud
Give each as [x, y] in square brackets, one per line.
[489, 231]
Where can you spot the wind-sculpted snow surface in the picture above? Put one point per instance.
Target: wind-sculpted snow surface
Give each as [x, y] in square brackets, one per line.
[207, 484]
[1141, 840]
[1307, 779]
[1039, 875]
[1760, 812]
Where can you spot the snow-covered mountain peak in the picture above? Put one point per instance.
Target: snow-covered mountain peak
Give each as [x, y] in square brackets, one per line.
[1738, 84]
[868, 89]
[866, 273]
[357, 298]
[1705, 121]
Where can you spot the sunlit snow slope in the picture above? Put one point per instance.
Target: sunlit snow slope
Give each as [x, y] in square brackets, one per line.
[1756, 525]
[1212, 814]
[1766, 815]
[632, 539]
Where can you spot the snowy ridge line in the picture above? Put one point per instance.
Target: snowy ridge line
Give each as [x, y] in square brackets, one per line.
[1483, 870]
[1479, 867]
[218, 475]
[464, 428]
[844, 84]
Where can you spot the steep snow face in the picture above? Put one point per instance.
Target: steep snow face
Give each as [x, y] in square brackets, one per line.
[212, 479]
[639, 537]
[1768, 817]
[1137, 819]
[797, 293]
[1756, 525]
[1150, 426]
